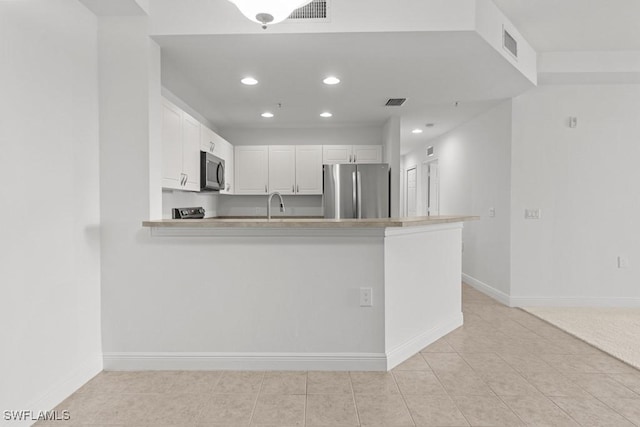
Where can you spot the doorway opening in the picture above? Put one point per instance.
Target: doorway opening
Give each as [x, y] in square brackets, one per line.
[431, 188]
[412, 191]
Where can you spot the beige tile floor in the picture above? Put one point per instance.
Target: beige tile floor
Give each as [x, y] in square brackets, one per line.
[504, 367]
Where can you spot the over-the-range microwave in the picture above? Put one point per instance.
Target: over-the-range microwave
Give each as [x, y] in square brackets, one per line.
[211, 172]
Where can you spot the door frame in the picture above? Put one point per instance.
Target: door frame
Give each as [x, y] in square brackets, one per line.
[425, 182]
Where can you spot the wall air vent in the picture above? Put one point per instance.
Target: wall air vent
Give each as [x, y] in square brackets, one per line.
[316, 10]
[395, 102]
[509, 43]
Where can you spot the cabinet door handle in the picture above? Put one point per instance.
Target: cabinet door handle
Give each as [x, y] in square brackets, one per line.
[355, 158]
[181, 179]
[298, 188]
[265, 189]
[293, 188]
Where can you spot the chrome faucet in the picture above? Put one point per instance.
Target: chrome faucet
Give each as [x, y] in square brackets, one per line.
[275, 193]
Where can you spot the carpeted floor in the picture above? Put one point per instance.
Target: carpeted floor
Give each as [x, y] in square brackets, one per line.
[613, 330]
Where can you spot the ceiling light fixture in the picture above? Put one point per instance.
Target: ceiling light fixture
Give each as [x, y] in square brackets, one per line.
[416, 131]
[268, 12]
[331, 80]
[326, 115]
[249, 81]
[267, 115]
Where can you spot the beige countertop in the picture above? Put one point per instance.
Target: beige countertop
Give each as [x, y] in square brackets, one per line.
[284, 222]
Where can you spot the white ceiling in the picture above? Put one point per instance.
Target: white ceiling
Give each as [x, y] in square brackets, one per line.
[576, 25]
[431, 69]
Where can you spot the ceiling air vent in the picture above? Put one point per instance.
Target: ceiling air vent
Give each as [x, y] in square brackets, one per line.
[317, 10]
[509, 43]
[395, 102]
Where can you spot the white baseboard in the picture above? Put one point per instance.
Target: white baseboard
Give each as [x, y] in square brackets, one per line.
[575, 302]
[401, 353]
[579, 301]
[487, 289]
[245, 361]
[63, 389]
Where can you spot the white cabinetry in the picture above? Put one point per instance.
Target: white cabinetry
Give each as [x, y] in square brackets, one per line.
[309, 169]
[251, 169]
[227, 153]
[180, 149]
[211, 142]
[295, 169]
[282, 169]
[333, 154]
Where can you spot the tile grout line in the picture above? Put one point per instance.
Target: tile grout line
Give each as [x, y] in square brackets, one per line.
[255, 404]
[353, 397]
[404, 400]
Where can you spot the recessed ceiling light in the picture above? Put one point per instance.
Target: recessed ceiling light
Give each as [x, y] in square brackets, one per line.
[331, 80]
[416, 131]
[267, 115]
[326, 115]
[249, 81]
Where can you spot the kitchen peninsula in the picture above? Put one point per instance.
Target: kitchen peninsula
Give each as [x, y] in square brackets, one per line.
[305, 294]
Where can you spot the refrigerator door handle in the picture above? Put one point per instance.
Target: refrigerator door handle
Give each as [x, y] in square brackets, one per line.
[359, 208]
[355, 195]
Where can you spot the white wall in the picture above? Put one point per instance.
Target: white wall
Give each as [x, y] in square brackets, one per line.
[475, 166]
[50, 237]
[585, 182]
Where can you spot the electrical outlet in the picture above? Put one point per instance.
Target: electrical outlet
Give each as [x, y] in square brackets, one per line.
[532, 214]
[365, 297]
[623, 262]
[492, 212]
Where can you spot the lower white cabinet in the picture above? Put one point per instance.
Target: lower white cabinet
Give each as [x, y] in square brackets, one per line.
[251, 169]
[180, 149]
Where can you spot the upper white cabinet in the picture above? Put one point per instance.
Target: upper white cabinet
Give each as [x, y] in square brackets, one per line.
[309, 169]
[367, 153]
[282, 169]
[180, 149]
[227, 153]
[211, 142]
[334, 154]
[251, 169]
[295, 169]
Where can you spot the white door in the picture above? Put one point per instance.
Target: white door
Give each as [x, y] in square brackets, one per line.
[282, 169]
[309, 169]
[367, 154]
[412, 194]
[191, 152]
[431, 185]
[171, 146]
[336, 154]
[251, 169]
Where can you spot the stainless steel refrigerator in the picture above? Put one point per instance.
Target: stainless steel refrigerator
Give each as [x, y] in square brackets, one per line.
[356, 191]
